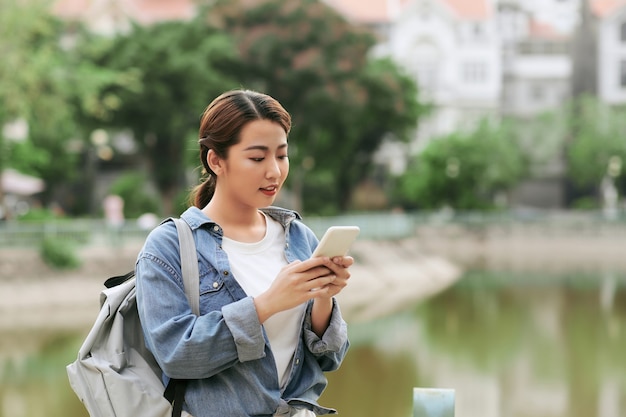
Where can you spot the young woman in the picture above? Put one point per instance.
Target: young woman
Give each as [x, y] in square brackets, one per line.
[269, 325]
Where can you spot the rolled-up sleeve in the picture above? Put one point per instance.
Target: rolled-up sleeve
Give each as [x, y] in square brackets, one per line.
[335, 338]
[243, 321]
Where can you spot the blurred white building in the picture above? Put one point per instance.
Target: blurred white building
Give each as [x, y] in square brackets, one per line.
[611, 35]
[536, 66]
[491, 58]
[452, 49]
[477, 57]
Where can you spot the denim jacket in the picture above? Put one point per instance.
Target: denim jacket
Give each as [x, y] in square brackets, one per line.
[225, 352]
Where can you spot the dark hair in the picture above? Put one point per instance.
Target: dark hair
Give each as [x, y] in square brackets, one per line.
[220, 128]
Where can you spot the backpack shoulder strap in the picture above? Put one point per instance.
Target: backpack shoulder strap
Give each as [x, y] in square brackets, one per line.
[175, 390]
[189, 264]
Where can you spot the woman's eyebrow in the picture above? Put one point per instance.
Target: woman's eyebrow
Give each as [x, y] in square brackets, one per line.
[263, 147]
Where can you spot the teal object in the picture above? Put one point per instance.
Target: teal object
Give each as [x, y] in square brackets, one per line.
[433, 402]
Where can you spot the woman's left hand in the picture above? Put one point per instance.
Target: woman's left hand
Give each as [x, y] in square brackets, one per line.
[339, 267]
[323, 301]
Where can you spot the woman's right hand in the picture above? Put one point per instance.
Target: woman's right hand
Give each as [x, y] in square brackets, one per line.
[293, 286]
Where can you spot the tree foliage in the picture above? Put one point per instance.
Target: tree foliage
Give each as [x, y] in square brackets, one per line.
[597, 147]
[343, 101]
[44, 82]
[157, 79]
[464, 171]
[34, 88]
[541, 139]
[181, 67]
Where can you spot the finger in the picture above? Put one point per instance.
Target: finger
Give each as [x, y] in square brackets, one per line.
[320, 282]
[339, 270]
[310, 263]
[325, 291]
[314, 273]
[345, 261]
[329, 290]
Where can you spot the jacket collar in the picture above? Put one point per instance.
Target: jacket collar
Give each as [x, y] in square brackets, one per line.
[196, 218]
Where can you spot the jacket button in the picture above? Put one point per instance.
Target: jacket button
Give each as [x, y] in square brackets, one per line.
[216, 228]
[215, 285]
[225, 272]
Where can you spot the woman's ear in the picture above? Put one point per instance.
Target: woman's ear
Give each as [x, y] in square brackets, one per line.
[214, 161]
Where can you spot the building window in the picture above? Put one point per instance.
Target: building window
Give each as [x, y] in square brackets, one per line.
[425, 61]
[537, 92]
[427, 75]
[622, 74]
[478, 30]
[474, 72]
[622, 32]
[424, 11]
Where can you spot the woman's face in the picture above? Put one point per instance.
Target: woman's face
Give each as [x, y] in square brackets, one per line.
[257, 166]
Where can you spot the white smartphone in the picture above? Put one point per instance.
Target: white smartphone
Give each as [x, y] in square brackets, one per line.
[336, 241]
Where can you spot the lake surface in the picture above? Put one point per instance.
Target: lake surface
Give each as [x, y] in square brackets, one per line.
[509, 344]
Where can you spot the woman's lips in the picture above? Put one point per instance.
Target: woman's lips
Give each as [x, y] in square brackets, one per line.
[269, 191]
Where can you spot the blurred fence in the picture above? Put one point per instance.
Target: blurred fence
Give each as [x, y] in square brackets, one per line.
[388, 226]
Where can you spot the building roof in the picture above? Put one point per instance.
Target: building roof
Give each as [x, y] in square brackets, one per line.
[363, 11]
[470, 9]
[159, 10]
[143, 11]
[380, 11]
[543, 30]
[603, 8]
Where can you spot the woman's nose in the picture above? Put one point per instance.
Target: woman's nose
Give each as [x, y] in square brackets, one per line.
[273, 169]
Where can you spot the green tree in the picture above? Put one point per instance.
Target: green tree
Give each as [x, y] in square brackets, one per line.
[541, 139]
[343, 101]
[464, 171]
[32, 77]
[44, 82]
[597, 148]
[182, 66]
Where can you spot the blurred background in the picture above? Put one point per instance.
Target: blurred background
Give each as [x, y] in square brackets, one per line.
[479, 145]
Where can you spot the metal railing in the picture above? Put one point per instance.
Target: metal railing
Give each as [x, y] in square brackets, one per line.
[388, 226]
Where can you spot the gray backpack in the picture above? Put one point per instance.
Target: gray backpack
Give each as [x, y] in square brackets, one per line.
[115, 374]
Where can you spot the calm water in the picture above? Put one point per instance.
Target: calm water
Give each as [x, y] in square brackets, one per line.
[510, 346]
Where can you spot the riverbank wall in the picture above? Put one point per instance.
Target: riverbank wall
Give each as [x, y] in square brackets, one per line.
[413, 262]
[387, 277]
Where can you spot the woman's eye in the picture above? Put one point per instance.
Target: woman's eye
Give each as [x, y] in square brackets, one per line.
[257, 159]
[283, 157]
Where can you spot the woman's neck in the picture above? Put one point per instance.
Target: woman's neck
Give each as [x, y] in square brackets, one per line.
[238, 223]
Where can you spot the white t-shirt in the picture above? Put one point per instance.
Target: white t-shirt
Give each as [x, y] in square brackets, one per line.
[255, 266]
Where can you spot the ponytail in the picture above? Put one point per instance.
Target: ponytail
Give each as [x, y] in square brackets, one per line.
[203, 192]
